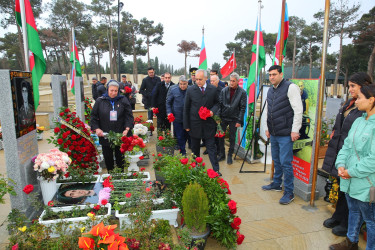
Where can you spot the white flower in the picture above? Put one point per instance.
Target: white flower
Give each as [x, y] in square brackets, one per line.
[36, 167]
[150, 121]
[44, 165]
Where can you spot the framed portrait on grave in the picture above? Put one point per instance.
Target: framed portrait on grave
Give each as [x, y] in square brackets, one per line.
[23, 102]
[64, 93]
[82, 93]
[77, 194]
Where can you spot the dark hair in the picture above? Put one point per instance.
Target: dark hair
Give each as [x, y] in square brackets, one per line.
[360, 78]
[123, 76]
[162, 75]
[214, 71]
[368, 91]
[68, 187]
[150, 68]
[103, 77]
[277, 67]
[167, 73]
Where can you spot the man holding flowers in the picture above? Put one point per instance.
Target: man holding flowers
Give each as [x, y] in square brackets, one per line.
[202, 96]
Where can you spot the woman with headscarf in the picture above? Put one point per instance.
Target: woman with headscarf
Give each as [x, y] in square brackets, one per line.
[111, 112]
[344, 120]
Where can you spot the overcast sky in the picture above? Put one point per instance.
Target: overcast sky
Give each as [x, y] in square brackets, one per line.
[222, 20]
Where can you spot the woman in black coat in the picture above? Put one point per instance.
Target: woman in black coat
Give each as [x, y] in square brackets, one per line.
[111, 112]
[344, 120]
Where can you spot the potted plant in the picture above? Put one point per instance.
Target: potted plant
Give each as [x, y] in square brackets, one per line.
[49, 167]
[195, 207]
[39, 132]
[325, 137]
[165, 143]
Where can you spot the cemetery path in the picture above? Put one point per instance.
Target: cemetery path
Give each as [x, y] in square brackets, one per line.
[265, 223]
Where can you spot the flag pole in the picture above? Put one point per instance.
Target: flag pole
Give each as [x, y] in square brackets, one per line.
[319, 113]
[24, 34]
[234, 57]
[282, 33]
[74, 57]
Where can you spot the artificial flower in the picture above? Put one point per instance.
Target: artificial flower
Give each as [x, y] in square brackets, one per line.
[86, 243]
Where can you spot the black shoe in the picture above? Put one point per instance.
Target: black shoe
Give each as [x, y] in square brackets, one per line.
[220, 157]
[203, 144]
[229, 160]
[331, 223]
[219, 173]
[340, 231]
[205, 152]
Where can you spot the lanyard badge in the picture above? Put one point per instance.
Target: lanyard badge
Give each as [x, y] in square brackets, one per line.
[113, 113]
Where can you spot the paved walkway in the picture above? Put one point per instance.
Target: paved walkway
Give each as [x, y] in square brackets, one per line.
[265, 223]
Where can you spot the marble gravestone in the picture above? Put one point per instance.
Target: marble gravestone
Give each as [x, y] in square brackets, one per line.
[17, 115]
[80, 98]
[59, 93]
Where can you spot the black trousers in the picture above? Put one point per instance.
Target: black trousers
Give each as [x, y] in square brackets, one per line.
[342, 211]
[108, 157]
[162, 122]
[211, 149]
[232, 136]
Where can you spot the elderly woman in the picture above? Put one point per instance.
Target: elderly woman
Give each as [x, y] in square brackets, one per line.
[111, 112]
[355, 164]
[344, 120]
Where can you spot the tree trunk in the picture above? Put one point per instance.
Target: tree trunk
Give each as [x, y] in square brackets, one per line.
[310, 55]
[110, 45]
[58, 60]
[148, 52]
[115, 64]
[294, 57]
[47, 61]
[370, 65]
[338, 64]
[20, 42]
[96, 66]
[100, 69]
[84, 63]
[135, 69]
[185, 62]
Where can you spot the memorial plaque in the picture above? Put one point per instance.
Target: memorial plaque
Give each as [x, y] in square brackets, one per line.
[82, 90]
[23, 102]
[64, 93]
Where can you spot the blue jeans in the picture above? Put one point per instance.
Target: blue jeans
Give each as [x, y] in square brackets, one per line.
[360, 211]
[282, 156]
[181, 135]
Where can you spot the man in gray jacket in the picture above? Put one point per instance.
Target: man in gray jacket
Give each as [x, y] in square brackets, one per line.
[232, 109]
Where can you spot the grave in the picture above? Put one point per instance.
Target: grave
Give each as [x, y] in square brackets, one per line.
[17, 115]
[80, 98]
[59, 93]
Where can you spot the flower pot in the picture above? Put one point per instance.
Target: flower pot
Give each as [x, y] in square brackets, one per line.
[133, 159]
[159, 176]
[166, 214]
[104, 176]
[322, 151]
[165, 150]
[49, 188]
[1, 145]
[201, 237]
[71, 223]
[39, 136]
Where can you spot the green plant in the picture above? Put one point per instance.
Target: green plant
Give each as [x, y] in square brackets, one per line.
[165, 139]
[195, 207]
[5, 187]
[326, 131]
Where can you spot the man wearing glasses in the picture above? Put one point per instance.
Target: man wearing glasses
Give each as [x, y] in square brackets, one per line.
[284, 119]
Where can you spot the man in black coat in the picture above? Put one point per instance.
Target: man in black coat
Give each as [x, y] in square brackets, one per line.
[197, 96]
[147, 87]
[101, 88]
[232, 109]
[94, 88]
[159, 100]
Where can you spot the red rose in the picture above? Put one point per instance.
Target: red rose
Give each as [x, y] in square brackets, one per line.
[160, 155]
[229, 192]
[141, 157]
[97, 207]
[50, 204]
[143, 169]
[128, 195]
[232, 206]
[199, 159]
[240, 238]
[104, 202]
[148, 189]
[193, 165]
[60, 141]
[61, 113]
[161, 138]
[64, 135]
[155, 111]
[74, 137]
[236, 223]
[63, 127]
[128, 90]
[67, 110]
[184, 161]
[28, 188]
[211, 173]
[204, 113]
[67, 173]
[203, 164]
[171, 117]
[56, 130]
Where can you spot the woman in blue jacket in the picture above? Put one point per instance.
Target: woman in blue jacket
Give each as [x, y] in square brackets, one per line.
[356, 167]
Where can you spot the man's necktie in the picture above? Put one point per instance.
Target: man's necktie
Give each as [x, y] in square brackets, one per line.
[202, 90]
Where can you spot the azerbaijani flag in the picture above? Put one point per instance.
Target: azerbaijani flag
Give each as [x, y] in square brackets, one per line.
[74, 60]
[36, 58]
[203, 56]
[276, 55]
[250, 87]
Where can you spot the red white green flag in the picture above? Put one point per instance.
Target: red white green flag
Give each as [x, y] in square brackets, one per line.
[261, 63]
[203, 57]
[276, 55]
[74, 60]
[36, 58]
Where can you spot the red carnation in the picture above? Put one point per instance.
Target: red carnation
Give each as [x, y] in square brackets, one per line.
[143, 169]
[184, 161]
[240, 238]
[204, 113]
[50, 204]
[161, 138]
[141, 157]
[104, 202]
[211, 173]
[128, 195]
[97, 207]
[128, 90]
[236, 223]
[171, 117]
[199, 159]
[155, 111]
[56, 130]
[28, 188]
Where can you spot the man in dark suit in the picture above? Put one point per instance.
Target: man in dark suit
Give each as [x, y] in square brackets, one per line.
[202, 95]
[148, 84]
[159, 100]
